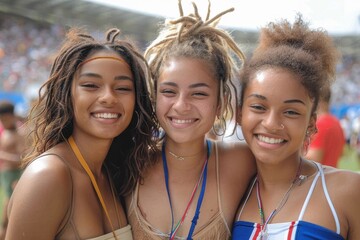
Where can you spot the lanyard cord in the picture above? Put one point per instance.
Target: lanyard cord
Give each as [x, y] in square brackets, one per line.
[265, 222]
[202, 179]
[83, 163]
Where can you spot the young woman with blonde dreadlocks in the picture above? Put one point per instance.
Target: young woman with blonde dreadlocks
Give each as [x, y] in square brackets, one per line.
[194, 189]
[292, 197]
[92, 127]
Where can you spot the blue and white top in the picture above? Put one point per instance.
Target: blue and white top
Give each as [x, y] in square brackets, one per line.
[294, 230]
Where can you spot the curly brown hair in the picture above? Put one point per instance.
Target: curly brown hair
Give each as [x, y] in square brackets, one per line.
[192, 37]
[311, 54]
[51, 118]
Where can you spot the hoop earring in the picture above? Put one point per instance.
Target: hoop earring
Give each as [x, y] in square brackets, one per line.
[242, 139]
[219, 129]
[309, 133]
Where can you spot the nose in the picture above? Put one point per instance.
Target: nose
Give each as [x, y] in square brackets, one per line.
[108, 96]
[273, 122]
[182, 104]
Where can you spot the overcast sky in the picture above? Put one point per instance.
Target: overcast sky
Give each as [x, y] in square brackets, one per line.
[336, 16]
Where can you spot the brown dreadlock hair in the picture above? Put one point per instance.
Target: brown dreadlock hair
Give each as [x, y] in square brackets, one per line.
[51, 118]
[190, 36]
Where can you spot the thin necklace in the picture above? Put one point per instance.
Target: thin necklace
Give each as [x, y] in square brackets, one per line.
[202, 179]
[182, 158]
[264, 222]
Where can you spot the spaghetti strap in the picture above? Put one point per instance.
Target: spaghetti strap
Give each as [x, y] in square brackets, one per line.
[69, 214]
[331, 205]
[217, 175]
[218, 186]
[134, 198]
[246, 199]
[327, 196]
[307, 199]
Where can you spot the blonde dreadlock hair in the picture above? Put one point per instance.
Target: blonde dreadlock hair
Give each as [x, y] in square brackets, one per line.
[190, 36]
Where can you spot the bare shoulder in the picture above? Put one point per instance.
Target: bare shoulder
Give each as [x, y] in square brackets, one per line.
[48, 170]
[44, 189]
[344, 181]
[235, 154]
[45, 178]
[236, 159]
[343, 186]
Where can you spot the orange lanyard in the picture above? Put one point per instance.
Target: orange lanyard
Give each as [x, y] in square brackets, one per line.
[83, 163]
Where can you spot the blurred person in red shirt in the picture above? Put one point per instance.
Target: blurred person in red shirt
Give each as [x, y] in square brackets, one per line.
[326, 146]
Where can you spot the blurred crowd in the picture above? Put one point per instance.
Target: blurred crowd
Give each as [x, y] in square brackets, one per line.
[27, 48]
[346, 89]
[26, 51]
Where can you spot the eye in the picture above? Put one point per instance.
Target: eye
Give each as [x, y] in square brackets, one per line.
[167, 92]
[292, 113]
[257, 107]
[89, 85]
[200, 94]
[125, 89]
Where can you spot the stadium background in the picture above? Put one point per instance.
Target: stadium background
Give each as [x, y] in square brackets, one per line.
[32, 30]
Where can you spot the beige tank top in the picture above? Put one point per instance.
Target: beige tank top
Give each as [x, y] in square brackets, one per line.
[215, 228]
[124, 233]
[121, 234]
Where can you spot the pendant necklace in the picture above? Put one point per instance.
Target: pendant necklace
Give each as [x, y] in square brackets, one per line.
[202, 179]
[264, 222]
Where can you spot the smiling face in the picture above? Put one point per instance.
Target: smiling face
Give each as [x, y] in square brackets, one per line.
[103, 96]
[187, 99]
[276, 114]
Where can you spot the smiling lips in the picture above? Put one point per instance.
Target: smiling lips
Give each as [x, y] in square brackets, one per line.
[106, 115]
[182, 121]
[269, 140]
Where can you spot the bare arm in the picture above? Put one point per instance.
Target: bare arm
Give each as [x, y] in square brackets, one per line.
[237, 168]
[350, 202]
[40, 200]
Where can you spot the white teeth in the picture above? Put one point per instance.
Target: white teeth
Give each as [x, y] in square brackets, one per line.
[182, 121]
[270, 140]
[106, 115]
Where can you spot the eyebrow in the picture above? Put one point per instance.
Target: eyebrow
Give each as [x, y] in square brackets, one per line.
[121, 77]
[195, 85]
[286, 101]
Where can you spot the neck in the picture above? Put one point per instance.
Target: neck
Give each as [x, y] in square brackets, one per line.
[279, 176]
[94, 153]
[184, 156]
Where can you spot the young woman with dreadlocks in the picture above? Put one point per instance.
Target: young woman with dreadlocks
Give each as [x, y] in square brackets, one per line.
[92, 127]
[193, 190]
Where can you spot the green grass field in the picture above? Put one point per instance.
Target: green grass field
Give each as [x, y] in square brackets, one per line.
[349, 160]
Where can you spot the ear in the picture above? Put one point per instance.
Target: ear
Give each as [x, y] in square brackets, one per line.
[312, 124]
